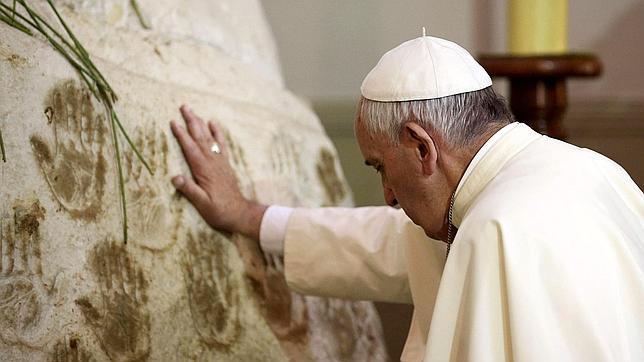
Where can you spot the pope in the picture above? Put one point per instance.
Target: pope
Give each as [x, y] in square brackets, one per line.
[510, 245]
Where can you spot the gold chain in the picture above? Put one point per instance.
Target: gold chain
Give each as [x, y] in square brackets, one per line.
[449, 224]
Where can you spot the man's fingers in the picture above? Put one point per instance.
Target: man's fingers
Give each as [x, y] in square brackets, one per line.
[196, 127]
[189, 147]
[192, 191]
[217, 134]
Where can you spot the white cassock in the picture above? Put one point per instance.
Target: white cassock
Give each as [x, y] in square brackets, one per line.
[547, 263]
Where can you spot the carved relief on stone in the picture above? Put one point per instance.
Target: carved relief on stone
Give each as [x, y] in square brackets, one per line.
[153, 206]
[284, 311]
[120, 318]
[73, 162]
[26, 299]
[334, 188]
[290, 177]
[213, 292]
[70, 290]
[70, 349]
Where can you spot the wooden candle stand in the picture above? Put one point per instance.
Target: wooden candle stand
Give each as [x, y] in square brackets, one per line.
[538, 95]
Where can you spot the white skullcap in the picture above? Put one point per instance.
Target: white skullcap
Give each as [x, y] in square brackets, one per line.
[424, 68]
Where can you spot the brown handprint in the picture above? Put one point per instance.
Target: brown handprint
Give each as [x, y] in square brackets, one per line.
[290, 180]
[153, 209]
[74, 166]
[284, 310]
[122, 323]
[26, 301]
[285, 156]
[212, 292]
[69, 349]
[334, 188]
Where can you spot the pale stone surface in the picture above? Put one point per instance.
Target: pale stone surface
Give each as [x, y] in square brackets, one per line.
[69, 288]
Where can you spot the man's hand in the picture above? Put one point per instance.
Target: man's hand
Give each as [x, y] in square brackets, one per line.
[213, 188]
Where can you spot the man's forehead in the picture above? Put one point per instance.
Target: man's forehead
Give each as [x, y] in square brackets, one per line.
[373, 147]
[363, 134]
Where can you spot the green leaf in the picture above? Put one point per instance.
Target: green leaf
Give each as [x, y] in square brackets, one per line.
[4, 158]
[138, 13]
[117, 156]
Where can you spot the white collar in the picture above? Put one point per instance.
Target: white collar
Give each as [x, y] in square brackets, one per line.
[487, 162]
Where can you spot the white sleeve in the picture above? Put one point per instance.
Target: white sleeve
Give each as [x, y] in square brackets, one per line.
[352, 253]
[273, 229]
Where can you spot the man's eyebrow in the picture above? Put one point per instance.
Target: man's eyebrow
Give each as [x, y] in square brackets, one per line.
[371, 163]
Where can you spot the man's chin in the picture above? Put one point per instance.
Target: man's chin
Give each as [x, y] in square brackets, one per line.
[434, 234]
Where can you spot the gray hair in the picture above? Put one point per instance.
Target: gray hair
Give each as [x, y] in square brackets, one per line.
[458, 119]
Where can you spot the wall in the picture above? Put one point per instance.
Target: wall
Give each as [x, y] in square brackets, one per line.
[71, 287]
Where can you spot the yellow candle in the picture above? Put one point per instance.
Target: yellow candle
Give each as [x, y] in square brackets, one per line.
[537, 26]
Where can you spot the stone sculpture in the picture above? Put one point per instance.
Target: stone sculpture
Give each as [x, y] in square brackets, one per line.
[70, 288]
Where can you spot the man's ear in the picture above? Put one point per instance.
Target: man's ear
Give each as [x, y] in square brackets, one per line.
[422, 144]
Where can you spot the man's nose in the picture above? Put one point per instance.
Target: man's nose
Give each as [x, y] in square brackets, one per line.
[390, 198]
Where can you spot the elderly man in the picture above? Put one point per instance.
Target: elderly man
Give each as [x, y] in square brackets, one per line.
[544, 240]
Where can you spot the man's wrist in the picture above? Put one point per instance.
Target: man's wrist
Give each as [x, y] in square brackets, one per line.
[250, 219]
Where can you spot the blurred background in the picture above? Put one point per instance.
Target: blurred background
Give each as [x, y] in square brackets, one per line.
[327, 47]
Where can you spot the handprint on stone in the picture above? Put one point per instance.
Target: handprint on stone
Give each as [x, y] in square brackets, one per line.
[284, 310]
[69, 349]
[153, 209]
[290, 180]
[73, 166]
[26, 300]
[334, 188]
[121, 320]
[213, 292]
